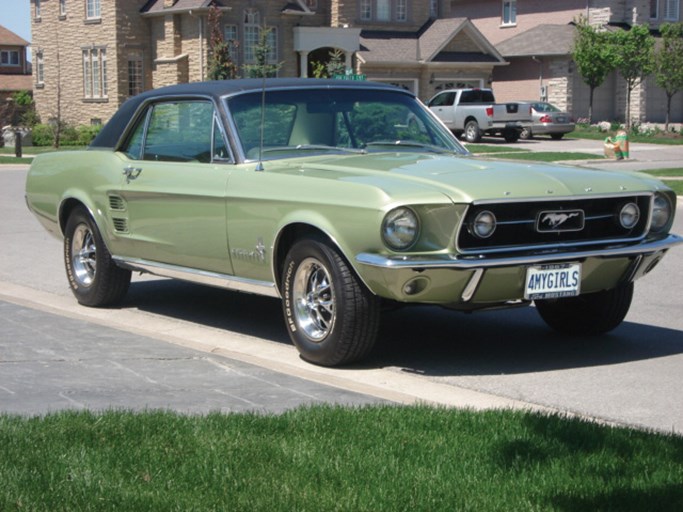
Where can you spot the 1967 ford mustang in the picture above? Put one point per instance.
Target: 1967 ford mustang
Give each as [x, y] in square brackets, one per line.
[339, 197]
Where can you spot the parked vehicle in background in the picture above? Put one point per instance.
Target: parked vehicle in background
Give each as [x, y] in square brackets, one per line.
[339, 197]
[474, 112]
[548, 120]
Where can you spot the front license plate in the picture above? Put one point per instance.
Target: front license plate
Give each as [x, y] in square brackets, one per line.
[553, 281]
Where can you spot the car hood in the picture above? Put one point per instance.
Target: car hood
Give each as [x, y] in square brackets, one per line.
[466, 178]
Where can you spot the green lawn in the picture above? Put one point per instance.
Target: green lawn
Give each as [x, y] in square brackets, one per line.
[332, 458]
[551, 156]
[660, 138]
[14, 160]
[37, 150]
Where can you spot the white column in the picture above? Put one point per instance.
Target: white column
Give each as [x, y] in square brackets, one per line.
[303, 63]
[348, 60]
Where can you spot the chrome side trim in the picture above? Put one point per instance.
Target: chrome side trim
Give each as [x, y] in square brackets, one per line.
[193, 275]
[458, 262]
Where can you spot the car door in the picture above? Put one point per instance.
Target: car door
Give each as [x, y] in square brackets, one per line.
[174, 186]
[442, 106]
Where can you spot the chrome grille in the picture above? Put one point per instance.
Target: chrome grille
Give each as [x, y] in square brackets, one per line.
[517, 224]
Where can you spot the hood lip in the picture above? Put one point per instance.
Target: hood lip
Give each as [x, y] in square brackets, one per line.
[577, 197]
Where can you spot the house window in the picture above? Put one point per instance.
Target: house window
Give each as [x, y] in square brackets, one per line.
[92, 9]
[40, 69]
[366, 10]
[509, 12]
[95, 73]
[383, 10]
[62, 8]
[402, 10]
[672, 10]
[9, 57]
[252, 36]
[135, 73]
[433, 8]
[654, 9]
[230, 37]
[37, 11]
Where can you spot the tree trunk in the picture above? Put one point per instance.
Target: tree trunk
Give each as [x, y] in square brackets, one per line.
[668, 111]
[590, 106]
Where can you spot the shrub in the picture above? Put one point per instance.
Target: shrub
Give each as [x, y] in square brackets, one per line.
[86, 134]
[42, 135]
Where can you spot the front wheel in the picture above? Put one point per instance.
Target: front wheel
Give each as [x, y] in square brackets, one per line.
[93, 276]
[526, 134]
[332, 318]
[587, 315]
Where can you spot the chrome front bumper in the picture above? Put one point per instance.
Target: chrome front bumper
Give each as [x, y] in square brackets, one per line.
[535, 258]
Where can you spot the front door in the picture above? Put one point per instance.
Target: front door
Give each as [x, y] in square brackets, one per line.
[175, 186]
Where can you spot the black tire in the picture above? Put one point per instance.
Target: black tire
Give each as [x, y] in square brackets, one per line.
[332, 318]
[587, 315]
[472, 131]
[526, 134]
[556, 136]
[94, 278]
[511, 135]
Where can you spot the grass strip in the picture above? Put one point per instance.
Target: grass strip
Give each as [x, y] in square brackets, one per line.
[665, 172]
[332, 458]
[37, 150]
[551, 156]
[481, 149]
[669, 139]
[15, 160]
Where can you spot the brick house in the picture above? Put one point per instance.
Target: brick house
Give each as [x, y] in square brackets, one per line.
[15, 70]
[536, 38]
[91, 55]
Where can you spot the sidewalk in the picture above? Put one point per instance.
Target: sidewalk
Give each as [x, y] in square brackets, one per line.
[51, 362]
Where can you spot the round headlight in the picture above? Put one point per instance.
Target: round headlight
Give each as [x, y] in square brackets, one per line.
[661, 213]
[484, 224]
[629, 215]
[400, 228]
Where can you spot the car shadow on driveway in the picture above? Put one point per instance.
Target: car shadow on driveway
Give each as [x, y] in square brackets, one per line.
[424, 339]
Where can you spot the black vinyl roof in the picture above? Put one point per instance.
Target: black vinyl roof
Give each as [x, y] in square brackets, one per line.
[111, 133]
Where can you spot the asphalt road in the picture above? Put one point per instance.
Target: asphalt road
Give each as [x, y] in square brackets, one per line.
[493, 359]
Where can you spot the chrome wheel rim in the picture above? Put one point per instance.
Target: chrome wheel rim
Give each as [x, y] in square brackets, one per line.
[471, 131]
[314, 305]
[83, 255]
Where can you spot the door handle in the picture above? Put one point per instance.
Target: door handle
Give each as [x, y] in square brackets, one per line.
[131, 172]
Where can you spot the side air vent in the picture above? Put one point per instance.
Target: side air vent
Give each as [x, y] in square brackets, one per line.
[120, 225]
[117, 203]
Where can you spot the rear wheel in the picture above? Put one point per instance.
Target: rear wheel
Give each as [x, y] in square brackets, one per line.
[556, 136]
[511, 135]
[472, 131]
[93, 276]
[332, 318]
[587, 315]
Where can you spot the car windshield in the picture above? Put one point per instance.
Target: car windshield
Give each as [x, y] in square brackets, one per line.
[314, 121]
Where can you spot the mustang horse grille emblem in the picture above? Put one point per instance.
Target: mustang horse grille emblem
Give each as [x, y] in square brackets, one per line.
[560, 221]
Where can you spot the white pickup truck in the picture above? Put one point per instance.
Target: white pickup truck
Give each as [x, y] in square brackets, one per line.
[475, 112]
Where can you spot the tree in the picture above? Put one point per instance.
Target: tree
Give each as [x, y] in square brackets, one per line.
[221, 66]
[634, 59]
[594, 56]
[263, 68]
[669, 63]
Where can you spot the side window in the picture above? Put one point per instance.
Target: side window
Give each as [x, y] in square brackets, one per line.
[443, 100]
[220, 149]
[180, 132]
[133, 148]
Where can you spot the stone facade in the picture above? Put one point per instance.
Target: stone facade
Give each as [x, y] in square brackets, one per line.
[142, 44]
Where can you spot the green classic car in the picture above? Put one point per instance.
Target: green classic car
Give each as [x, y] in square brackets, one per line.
[340, 197]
